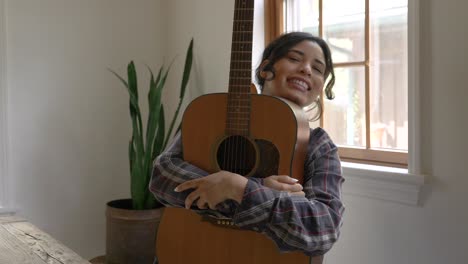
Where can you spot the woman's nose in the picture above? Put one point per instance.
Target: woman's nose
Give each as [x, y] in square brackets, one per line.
[306, 69]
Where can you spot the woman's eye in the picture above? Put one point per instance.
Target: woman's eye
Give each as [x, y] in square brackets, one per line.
[293, 59]
[317, 69]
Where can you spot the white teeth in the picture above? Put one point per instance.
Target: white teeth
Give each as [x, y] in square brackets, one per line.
[300, 83]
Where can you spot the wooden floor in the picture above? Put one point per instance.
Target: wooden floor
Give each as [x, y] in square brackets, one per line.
[22, 242]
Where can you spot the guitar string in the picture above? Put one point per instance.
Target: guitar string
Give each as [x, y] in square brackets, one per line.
[246, 90]
[238, 138]
[248, 28]
[230, 100]
[240, 35]
[232, 121]
[234, 80]
[240, 165]
[239, 118]
[244, 98]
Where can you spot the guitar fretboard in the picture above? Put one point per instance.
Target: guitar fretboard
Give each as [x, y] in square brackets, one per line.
[238, 106]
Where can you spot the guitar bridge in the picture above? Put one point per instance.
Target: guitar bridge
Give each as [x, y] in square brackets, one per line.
[226, 223]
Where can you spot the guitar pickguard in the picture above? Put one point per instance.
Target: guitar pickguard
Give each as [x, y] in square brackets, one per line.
[268, 160]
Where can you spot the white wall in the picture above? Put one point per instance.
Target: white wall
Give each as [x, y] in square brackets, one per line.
[68, 119]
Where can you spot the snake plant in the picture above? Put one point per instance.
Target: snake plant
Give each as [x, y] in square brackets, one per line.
[144, 148]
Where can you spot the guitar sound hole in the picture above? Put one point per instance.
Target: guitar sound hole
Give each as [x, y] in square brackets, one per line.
[236, 154]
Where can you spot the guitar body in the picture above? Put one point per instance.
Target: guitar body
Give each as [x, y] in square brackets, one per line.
[271, 120]
[276, 125]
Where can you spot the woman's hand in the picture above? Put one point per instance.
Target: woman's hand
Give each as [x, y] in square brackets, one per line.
[214, 189]
[283, 183]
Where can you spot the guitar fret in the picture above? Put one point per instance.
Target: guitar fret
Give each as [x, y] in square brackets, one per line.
[242, 47]
[243, 113]
[242, 56]
[241, 52]
[245, 83]
[243, 89]
[237, 132]
[242, 35]
[243, 31]
[239, 128]
[240, 100]
[240, 25]
[244, 4]
[237, 93]
[240, 84]
[240, 75]
[240, 119]
[238, 107]
[238, 124]
[244, 14]
[242, 78]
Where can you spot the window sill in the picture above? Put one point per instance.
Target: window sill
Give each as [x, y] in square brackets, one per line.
[385, 183]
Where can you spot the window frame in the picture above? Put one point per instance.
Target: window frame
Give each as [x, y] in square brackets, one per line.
[391, 183]
[365, 155]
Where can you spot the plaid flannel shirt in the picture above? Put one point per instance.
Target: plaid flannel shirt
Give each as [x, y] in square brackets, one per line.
[310, 224]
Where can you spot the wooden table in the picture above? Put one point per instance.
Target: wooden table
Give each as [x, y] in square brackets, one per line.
[22, 242]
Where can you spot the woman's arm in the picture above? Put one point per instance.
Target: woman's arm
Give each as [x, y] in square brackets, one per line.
[170, 170]
[309, 224]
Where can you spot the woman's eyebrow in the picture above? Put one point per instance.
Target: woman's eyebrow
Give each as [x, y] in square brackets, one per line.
[297, 51]
[302, 54]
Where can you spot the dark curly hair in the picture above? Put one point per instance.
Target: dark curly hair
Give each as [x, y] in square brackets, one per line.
[278, 48]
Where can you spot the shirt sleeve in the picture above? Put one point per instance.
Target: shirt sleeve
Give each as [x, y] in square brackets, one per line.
[310, 224]
[170, 170]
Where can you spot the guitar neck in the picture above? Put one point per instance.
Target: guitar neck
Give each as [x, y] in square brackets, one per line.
[238, 112]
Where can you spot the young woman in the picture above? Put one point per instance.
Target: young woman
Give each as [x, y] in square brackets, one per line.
[297, 217]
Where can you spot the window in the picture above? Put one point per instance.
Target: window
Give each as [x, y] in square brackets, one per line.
[368, 119]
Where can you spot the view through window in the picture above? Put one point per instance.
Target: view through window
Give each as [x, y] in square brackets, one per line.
[368, 118]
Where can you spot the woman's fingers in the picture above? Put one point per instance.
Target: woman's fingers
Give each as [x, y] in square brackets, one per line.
[191, 198]
[286, 179]
[282, 183]
[201, 203]
[295, 187]
[298, 193]
[186, 185]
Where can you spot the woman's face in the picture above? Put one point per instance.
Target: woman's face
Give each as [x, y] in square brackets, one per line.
[299, 75]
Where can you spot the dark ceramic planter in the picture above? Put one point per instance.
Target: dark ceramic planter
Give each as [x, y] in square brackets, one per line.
[131, 234]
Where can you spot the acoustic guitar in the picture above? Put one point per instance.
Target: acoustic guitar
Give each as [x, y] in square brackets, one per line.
[245, 133]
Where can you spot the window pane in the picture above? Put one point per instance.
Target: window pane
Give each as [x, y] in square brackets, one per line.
[343, 29]
[389, 75]
[302, 15]
[344, 116]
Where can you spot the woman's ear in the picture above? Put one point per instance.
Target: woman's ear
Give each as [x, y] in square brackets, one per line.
[263, 64]
[265, 74]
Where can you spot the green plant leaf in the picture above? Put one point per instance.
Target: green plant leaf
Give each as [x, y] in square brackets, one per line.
[133, 99]
[186, 76]
[132, 78]
[131, 155]
[187, 69]
[152, 125]
[158, 143]
[143, 148]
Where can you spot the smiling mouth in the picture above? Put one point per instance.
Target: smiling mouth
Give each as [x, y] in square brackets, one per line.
[301, 85]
